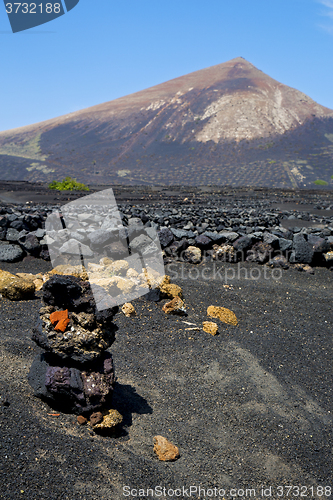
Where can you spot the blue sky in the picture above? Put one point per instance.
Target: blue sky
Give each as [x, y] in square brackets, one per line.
[104, 49]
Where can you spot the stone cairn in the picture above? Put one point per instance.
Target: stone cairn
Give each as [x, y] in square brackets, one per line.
[75, 373]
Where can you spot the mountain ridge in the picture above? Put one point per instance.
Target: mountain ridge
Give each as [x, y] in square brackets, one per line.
[222, 113]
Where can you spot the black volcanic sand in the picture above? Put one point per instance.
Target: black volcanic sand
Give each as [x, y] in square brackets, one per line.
[12, 192]
[249, 407]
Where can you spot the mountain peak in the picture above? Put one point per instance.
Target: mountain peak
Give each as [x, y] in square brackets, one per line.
[222, 117]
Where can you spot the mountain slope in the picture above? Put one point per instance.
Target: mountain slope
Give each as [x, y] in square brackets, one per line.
[228, 124]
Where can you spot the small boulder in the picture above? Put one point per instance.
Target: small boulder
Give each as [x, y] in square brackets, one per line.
[10, 253]
[30, 244]
[260, 253]
[100, 237]
[118, 267]
[243, 243]
[203, 241]
[271, 239]
[78, 390]
[165, 451]
[117, 250]
[74, 247]
[228, 236]
[176, 247]
[285, 244]
[140, 243]
[223, 314]
[302, 250]
[165, 236]
[68, 270]
[12, 235]
[3, 221]
[320, 245]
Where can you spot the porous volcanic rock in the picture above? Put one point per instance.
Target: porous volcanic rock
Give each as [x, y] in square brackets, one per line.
[10, 253]
[76, 373]
[129, 310]
[210, 327]
[15, 288]
[223, 314]
[169, 290]
[165, 450]
[75, 389]
[193, 255]
[109, 421]
[175, 306]
[302, 250]
[260, 252]
[88, 332]
[225, 253]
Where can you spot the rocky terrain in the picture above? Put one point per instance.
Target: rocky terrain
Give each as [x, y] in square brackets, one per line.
[250, 407]
[230, 124]
[281, 231]
[232, 381]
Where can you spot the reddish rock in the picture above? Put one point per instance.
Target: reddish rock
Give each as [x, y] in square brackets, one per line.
[59, 320]
[81, 420]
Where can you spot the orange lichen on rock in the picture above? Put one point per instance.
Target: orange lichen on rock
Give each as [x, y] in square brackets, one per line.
[59, 320]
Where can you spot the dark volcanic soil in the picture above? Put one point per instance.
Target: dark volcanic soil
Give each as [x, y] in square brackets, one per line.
[248, 408]
[28, 192]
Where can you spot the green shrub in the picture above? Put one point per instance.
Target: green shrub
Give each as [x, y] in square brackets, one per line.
[319, 182]
[68, 184]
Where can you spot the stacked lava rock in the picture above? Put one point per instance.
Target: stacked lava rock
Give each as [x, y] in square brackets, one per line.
[75, 373]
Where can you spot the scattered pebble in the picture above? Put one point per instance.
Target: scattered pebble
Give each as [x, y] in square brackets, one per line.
[165, 451]
[210, 327]
[81, 420]
[129, 310]
[175, 306]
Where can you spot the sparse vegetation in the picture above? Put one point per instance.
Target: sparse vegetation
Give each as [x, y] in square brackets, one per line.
[266, 146]
[320, 182]
[68, 184]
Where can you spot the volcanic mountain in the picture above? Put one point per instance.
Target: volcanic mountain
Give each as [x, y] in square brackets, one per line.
[229, 124]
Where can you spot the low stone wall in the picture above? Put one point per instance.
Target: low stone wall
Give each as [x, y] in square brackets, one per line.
[232, 232]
